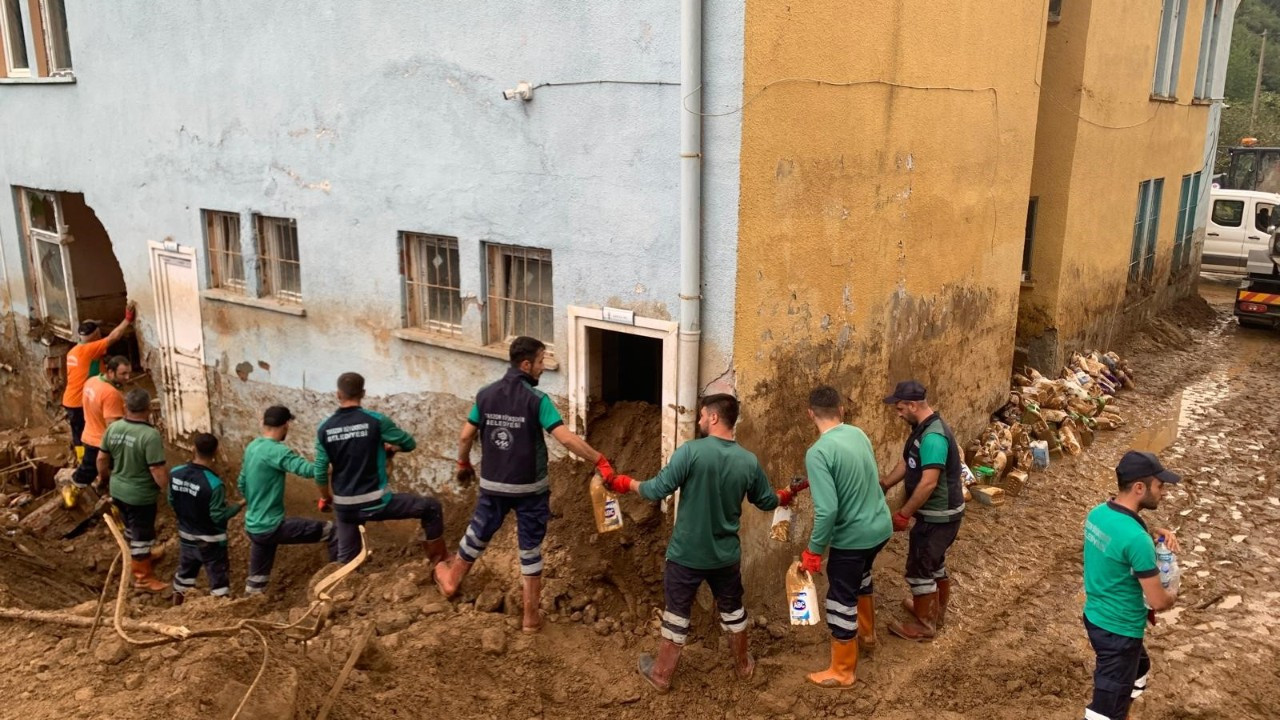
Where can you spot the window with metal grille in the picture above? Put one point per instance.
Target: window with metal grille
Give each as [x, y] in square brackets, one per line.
[1209, 34]
[520, 297]
[1142, 256]
[222, 239]
[278, 261]
[429, 266]
[1188, 205]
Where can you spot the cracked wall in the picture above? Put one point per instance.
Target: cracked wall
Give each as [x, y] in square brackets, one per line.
[1100, 134]
[885, 168]
[360, 140]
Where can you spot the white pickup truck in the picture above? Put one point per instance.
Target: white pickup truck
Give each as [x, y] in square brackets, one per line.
[1239, 221]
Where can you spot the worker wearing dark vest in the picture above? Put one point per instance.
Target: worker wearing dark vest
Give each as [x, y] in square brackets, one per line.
[930, 471]
[356, 443]
[199, 502]
[510, 418]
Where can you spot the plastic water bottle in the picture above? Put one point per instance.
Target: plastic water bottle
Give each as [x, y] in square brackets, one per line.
[1167, 564]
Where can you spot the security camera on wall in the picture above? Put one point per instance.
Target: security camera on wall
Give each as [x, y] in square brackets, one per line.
[522, 91]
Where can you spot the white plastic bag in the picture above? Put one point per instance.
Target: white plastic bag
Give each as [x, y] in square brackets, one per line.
[781, 528]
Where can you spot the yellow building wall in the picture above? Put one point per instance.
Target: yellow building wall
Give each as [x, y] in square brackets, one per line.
[1100, 134]
[885, 166]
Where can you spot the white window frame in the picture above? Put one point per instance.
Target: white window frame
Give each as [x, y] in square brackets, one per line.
[60, 238]
[53, 68]
[10, 70]
[1206, 68]
[269, 260]
[1169, 48]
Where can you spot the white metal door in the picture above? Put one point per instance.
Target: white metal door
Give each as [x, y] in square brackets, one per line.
[1224, 238]
[1261, 219]
[182, 380]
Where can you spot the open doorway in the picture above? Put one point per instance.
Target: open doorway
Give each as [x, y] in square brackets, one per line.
[622, 381]
[72, 273]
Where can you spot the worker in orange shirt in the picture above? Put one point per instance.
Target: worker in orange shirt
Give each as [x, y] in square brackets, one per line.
[80, 366]
[103, 405]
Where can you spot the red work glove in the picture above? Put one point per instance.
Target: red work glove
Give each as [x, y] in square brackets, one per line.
[900, 522]
[130, 313]
[620, 484]
[465, 474]
[811, 562]
[323, 505]
[785, 496]
[605, 469]
[798, 484]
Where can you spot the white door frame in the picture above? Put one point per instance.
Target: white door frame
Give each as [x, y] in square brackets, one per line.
[582, 318]
[186, 408]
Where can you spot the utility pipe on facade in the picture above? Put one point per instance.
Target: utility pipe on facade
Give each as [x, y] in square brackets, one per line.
[690, 218]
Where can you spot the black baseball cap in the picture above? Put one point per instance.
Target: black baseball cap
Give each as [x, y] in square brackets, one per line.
[906, 391]
[88, 327]
[276, 416]
[1137, 465]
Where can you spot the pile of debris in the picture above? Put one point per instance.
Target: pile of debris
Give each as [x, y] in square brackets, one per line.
[1045, 418]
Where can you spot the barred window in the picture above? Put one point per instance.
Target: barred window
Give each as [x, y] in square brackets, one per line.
[520, 295]
[429, 266]
[222, 240]
[1142, 255]
[279, 264]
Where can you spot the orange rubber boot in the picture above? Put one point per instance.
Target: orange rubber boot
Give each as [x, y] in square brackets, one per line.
[843, 672]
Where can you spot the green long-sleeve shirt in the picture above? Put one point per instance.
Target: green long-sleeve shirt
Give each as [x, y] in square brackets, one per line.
[713, 476]
[262, 482]
[849, 510]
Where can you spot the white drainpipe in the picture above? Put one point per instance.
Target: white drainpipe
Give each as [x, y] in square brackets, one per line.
[690, 218]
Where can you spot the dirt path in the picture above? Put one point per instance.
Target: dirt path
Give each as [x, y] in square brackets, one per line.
[1013, 647]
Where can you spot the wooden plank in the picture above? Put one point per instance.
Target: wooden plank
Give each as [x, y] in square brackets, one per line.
[356, 651]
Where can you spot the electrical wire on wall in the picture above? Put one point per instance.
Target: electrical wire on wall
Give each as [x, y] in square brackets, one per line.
[995, 102]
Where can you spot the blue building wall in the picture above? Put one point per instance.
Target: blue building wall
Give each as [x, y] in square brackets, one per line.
[361, 120]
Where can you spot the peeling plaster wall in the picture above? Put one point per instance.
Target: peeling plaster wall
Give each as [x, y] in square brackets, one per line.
[361, 120]
[1099, 136]
[881, 226]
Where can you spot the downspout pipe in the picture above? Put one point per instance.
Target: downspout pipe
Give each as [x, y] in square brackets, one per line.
[690, 337]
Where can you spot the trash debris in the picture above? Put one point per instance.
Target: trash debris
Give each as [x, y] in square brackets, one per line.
[781, 528]
[988, 495]
[1045, 416]
[608, 510]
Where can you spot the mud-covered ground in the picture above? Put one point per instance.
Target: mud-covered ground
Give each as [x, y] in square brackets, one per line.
[1013, 647]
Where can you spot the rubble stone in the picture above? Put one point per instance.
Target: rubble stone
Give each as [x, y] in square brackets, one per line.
[111, 651]
[490, 600]
[493, 641]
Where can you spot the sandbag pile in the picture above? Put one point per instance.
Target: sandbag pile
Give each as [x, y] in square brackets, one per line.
[1056, 416]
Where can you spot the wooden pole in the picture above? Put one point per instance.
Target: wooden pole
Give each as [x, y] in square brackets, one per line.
[1257, 83]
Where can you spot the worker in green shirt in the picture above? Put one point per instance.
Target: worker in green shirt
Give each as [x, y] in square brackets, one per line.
[713, 474]
[930, 471]
[262, 481]
[131, 463]
[1121, 580]
[851, 519]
